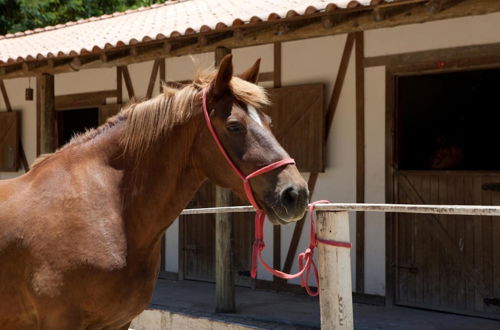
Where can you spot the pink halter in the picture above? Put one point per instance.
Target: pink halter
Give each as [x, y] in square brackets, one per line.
[246, 183]
[305, 259]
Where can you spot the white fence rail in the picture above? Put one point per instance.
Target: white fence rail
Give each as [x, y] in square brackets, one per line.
[391, 208]
[334, 263]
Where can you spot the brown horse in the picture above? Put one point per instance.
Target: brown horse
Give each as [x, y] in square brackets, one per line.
[80, 233]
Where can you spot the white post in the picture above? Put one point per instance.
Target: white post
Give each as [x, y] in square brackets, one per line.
[334, 265]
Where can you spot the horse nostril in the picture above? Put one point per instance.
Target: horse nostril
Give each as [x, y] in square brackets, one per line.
[289, 196]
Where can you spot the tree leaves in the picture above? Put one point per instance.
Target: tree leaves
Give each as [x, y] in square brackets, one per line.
[22, 15]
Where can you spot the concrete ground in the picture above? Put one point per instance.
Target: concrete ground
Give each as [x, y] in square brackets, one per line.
[273, 310]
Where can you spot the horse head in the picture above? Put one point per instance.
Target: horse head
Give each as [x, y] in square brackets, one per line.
[234, 105]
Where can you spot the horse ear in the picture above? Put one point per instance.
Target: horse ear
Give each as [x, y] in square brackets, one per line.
[252, 73]
[223, 77]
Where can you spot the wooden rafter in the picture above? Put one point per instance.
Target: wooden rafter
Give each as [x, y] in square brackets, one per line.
[8, 106]
[332, 107]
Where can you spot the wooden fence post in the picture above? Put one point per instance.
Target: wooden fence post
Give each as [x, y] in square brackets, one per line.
[224, 279]
[334, 265]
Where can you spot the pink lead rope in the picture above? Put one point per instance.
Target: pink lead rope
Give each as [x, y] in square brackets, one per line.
[305, 259]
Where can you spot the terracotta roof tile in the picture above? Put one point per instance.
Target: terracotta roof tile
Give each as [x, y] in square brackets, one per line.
[168, 20]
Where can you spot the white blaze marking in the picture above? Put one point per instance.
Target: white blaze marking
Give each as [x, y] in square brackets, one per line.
[254, 115]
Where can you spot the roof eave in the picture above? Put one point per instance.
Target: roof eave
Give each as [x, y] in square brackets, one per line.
[313, 25]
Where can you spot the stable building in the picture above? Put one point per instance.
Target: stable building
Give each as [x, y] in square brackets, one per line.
[378, 101]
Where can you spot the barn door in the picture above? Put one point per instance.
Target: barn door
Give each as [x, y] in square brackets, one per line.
[198, 240]
[298, 120]
[448, 263]
[9, 141]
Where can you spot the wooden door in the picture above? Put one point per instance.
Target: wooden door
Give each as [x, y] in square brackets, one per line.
[298, 120]
[9, 140]
[448, 262]
[198, 240]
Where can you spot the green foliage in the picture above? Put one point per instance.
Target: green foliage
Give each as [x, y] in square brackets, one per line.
[21, 15]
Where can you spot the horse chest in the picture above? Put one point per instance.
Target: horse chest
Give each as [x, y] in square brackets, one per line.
[123, 294]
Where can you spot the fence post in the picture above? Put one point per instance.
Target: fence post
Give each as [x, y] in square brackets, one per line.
[334, 265]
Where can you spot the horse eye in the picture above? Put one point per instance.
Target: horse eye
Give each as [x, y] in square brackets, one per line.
[235, 128]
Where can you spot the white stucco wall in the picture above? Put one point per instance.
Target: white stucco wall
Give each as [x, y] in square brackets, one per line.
[306, 61]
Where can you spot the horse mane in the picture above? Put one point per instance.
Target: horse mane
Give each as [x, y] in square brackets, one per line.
[149, 120]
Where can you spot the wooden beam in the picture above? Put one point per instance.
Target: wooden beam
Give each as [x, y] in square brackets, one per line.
[224, 277]
[46, 111]
[266, 76]
[119, 85]
[339, 83]
[83, 100]
[152, 78]
[277, 229]
[390, 221]
[163, 73]
[5, 96]
[22, 156]
[128, 82]
[360, 162]
[439, 58]
[332, 107]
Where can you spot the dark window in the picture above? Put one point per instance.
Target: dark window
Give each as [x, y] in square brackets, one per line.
[449, 121]
[71, 122]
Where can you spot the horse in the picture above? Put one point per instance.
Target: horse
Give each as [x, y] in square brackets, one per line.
[446, 155]
[80, 232]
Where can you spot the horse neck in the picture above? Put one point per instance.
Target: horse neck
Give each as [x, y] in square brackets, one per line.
[158, 186]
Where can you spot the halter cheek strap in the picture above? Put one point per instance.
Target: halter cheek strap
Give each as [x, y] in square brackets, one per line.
[305, 259]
